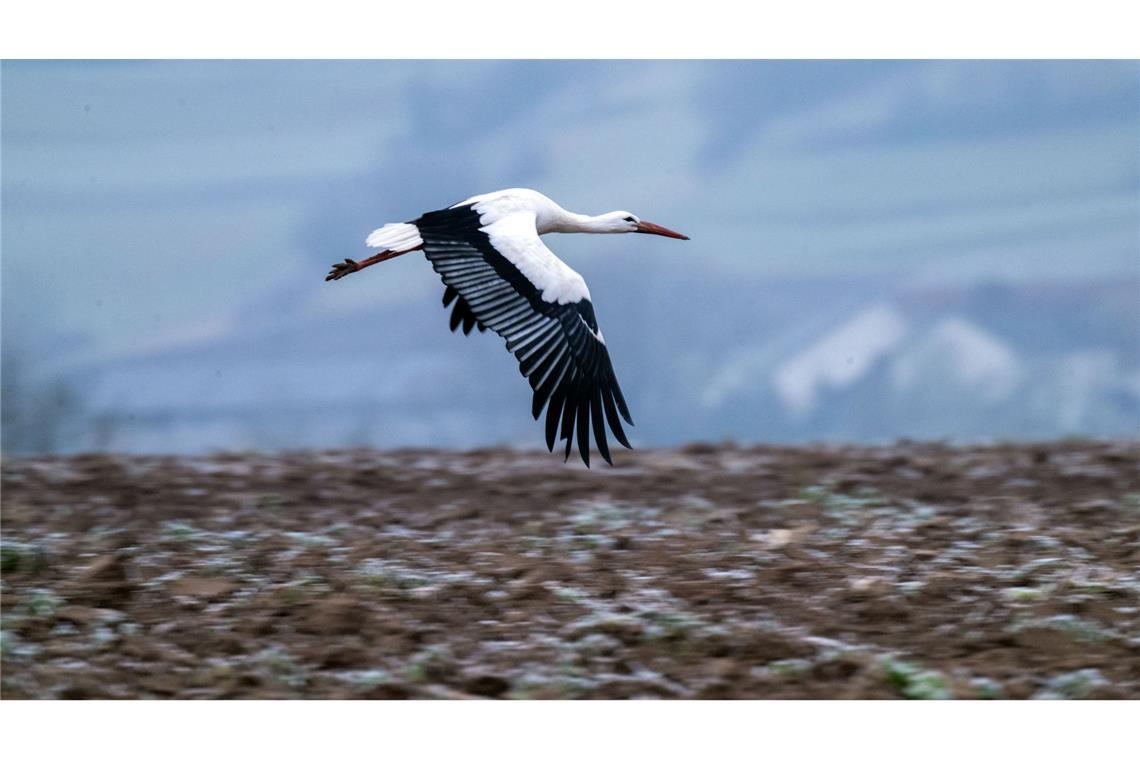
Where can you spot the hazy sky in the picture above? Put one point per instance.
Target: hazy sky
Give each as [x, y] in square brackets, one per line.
[150, 202]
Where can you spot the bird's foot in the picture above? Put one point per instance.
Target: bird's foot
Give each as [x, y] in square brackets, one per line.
[340, 269]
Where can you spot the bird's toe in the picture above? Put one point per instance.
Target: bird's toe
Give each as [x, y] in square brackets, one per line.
[341, 268]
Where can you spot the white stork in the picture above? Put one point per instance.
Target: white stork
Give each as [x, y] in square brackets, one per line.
[500, 275]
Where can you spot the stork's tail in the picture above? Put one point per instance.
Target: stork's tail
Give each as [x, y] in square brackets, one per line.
[398, 237]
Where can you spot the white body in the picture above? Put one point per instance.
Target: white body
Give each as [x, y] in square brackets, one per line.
[513, 219]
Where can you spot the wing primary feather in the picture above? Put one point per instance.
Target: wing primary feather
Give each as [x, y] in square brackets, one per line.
[538, 329]
[536, 348]
[618, 397]
[461, 266]
[553, 415]
[507, 311]
[544, 374]
[600, 426]
[538, 356]
[546, 388]
[614, 420]
[568, 411]
[470, 281]
[584, 429]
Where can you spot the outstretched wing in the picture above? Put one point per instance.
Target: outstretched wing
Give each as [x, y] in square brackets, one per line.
[513, 284]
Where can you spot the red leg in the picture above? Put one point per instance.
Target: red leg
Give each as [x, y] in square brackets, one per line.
[348, 266]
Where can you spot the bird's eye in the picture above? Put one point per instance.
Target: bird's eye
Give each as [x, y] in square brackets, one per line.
[630, 219]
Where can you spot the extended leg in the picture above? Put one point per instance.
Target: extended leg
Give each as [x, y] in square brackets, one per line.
[348, 266]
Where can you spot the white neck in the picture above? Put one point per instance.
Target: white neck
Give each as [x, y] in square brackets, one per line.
[568, 221]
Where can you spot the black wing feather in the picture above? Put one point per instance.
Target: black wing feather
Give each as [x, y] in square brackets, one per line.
[462, 313]
[584, 428]
[599, 426]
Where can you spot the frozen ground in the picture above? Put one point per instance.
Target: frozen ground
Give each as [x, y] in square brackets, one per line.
[711, 571]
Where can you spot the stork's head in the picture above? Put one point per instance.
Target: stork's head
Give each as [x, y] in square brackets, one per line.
[623, 221]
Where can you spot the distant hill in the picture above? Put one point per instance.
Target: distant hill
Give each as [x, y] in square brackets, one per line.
[825, 358]
[979, 362]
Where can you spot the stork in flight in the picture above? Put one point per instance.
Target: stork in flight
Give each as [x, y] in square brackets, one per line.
[500, 275]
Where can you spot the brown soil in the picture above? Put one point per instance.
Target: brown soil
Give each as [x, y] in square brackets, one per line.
[916, 570]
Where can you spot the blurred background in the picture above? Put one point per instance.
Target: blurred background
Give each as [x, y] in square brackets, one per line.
[879, 249]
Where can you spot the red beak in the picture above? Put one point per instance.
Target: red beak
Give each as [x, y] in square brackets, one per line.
[656, 229]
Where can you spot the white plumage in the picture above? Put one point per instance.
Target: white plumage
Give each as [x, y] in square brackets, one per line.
[397, 236]
[516, 237]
